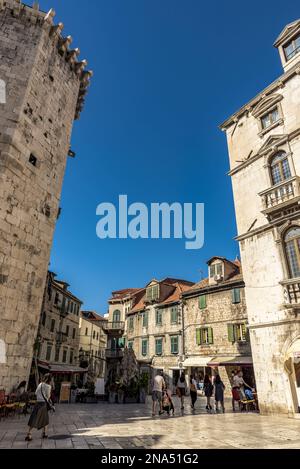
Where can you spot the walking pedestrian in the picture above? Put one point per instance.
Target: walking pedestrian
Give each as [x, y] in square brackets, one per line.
[208, 391]
[167, 402]
[39, 418]
[181, 389]
[193, 391]
[157, 393]
[235, 390]
[241, 384]
[219, 393]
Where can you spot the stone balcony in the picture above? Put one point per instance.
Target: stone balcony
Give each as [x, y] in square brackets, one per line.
[114, 328]
[281, 196]
[114, 353]
[292, 291]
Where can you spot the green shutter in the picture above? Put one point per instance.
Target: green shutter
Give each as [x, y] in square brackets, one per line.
[236, 295]
[198, 336]
[210, 336]
[231, 335]
[202, 302]
[174, 315]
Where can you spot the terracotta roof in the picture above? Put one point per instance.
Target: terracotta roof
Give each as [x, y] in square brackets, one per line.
[180, 287]
[119, 294]
[92, 316]
[204, 284]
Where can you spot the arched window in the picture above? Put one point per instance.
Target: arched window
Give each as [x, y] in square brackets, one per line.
[117, 316]
[280, 168]
[292, 248]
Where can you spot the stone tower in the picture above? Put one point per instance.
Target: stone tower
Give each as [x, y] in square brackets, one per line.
[42, 89]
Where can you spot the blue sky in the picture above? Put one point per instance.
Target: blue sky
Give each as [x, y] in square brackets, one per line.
[166, 73]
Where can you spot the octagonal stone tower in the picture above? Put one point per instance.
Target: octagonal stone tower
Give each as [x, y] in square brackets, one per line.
[42, 89]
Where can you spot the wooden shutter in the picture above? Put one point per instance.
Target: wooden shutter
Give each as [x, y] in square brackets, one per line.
[210, 336]
[198, 336]
[202, 302]
[231, 335]
[236, 296]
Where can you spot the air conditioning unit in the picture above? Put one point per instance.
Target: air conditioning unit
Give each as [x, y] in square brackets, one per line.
[218, 278]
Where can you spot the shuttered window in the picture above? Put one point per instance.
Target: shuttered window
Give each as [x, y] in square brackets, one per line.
[236, 295]
[174, 345]
[158, 317]
[144, 347]
[237, 333]
[158, 346]
[202, 302]
[174, 315]
[145, 319]
[205, 336]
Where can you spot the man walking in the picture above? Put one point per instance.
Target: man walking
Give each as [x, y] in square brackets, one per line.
[157, 392]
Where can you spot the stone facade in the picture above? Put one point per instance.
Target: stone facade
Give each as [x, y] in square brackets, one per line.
[118, 306]
[92, 345]
[153, 325]
[43, 92]
[264, 147]
[216, 325]
[57, 345]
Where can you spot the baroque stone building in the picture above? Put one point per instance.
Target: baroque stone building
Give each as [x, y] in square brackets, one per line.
[264, 146]
[154, 327]
[216, 337]
[42, 92]
[56, 348]
[92, 344]
[118, 306]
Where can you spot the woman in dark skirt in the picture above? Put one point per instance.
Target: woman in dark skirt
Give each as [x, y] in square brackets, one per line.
[39, 418]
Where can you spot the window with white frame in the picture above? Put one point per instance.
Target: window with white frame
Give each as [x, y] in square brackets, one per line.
[270, 118]
[280, 168]
[152, 293]
[237, 333]
[292, 250]
[292, 48]
[216, 270]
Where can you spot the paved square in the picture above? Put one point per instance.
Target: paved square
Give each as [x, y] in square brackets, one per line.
[110, 426]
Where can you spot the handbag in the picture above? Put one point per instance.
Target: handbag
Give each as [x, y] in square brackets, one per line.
[50, 407]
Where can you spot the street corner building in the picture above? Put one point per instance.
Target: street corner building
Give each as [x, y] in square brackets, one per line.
[43, 85]
[216, 338]
[264, 147]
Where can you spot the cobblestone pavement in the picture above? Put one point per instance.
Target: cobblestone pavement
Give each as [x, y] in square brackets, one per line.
[96, 426]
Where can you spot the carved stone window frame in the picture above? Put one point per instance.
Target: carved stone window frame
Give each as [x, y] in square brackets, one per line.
[272, 153]
[266, 106]
[280, 233]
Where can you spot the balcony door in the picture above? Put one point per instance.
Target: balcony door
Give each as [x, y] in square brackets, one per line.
[117, 316]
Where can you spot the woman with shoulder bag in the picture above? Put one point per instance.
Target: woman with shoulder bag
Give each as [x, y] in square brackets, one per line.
[39, 418]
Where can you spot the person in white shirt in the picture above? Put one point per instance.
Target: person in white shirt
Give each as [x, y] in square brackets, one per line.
[157, 393]
[39, 418]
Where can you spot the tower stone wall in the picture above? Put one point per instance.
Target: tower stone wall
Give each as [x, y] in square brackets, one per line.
[42, 91]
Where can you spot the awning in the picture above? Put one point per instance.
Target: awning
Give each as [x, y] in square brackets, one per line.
[194, 362]
[231, 361]
[61, 369]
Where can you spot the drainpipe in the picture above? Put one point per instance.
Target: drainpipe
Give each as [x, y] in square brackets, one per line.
[183, 326]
